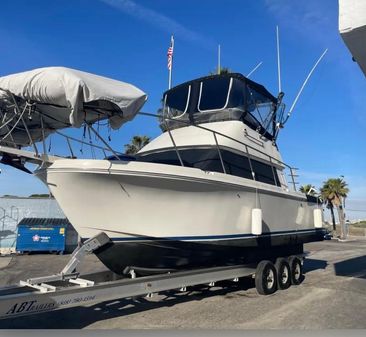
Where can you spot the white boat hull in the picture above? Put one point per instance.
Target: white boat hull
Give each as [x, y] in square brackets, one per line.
[144, 199]
[137, 202]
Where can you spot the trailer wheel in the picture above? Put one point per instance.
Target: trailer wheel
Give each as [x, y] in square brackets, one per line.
[283, 273]
[296, 270]
[266, 278]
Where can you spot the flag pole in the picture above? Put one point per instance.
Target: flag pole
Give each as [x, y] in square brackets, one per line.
[170, 64]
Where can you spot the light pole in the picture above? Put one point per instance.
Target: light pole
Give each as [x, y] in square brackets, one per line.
[345, 223]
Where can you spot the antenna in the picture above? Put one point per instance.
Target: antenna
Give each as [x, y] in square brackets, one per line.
[219, 60]
[254, 69]
[278, 60]
[303, 85]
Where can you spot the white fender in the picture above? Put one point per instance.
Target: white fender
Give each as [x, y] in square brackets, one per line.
[318, 218]
[256, 221]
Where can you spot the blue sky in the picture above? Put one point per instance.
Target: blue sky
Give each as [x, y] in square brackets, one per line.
[128, 40]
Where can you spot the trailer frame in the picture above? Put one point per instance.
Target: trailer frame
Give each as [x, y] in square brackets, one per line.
[68, 289]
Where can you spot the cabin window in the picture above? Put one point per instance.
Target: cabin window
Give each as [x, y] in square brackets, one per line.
[204, 159]
[236, 165]
[237, 95]
[214, 94]
[177, 101]
[264, 173]
[209, 160]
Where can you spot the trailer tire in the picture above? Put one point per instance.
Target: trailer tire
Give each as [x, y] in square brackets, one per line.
[283, 273]
[266, 278]
[296, 270]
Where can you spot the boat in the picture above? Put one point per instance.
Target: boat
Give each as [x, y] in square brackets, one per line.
[352, 28]
[211, 190]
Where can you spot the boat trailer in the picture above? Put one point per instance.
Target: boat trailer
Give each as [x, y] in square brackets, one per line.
[66, 289]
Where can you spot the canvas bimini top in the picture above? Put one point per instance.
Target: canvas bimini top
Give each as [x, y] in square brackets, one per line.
[222, 97]
[37, 102]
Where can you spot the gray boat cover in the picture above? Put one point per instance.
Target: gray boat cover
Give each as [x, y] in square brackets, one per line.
[63, 98]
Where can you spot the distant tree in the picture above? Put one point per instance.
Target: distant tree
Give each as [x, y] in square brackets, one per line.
[136, 144]
[9, 196]
[308, 189]
[42, 195]
[334, 192]
[223, 70]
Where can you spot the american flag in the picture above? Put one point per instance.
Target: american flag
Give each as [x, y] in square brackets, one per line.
[170, 54]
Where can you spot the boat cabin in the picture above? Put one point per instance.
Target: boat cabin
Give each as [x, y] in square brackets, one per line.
[221, 98]
[217, 98]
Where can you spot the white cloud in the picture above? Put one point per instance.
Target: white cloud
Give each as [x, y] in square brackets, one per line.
[308, 18]
[160, 21]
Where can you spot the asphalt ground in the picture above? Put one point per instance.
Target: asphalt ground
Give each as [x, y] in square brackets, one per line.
[332, 295]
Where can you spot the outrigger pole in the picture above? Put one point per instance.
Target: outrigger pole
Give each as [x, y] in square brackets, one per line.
[281, 124]
[254, 69]
[278, 60]
[303, 85]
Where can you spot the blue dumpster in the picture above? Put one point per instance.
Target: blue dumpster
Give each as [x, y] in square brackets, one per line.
[41, 234]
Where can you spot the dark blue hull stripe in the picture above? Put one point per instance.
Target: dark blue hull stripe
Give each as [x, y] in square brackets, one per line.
[212, 237]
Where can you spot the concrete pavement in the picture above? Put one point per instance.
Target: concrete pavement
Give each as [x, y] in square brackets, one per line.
[333, 295]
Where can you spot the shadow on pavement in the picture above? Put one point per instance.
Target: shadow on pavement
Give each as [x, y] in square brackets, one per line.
[355, 267]
[314, 264]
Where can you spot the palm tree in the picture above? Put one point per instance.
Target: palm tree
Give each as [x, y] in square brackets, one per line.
[334, 191]
[329, 205]
[136, 144]
[308, 189]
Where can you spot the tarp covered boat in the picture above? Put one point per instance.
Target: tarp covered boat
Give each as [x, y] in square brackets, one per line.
[35, 103]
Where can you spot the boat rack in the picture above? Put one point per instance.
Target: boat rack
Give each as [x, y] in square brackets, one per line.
[67, 289]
